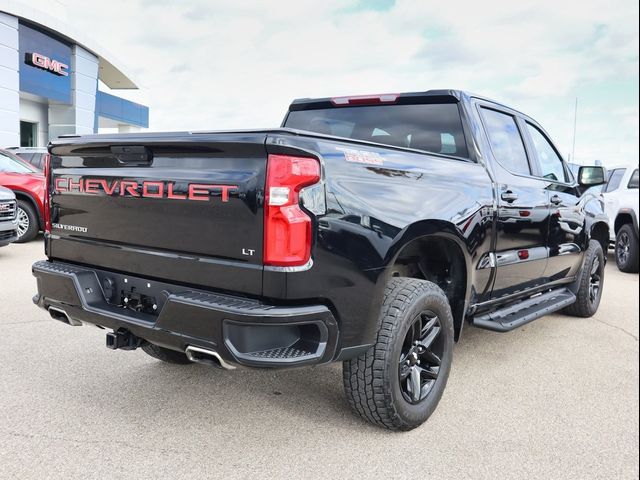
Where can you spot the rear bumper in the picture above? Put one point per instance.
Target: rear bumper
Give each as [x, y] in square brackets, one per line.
[242, 331]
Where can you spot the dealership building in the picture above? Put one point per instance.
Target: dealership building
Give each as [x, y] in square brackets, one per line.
[55, 81]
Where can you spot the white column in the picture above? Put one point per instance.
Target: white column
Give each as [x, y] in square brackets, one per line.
[9, 82]
[85, 84]
[79, 117]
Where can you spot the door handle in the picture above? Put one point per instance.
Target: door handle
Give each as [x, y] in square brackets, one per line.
[509, 196]
[556, 200]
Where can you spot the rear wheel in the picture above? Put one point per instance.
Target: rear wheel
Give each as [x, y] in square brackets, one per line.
[627, 249]
[165, 354]
[591, 282]
[399, 381]
[27, 222]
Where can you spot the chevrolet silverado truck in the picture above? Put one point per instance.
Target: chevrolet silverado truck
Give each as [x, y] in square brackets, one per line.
[366, 230]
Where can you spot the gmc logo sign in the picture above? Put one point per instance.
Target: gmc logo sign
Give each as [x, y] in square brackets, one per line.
[146, 189]
[45, 63]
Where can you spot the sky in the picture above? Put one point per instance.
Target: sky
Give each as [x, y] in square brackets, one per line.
[209, 65]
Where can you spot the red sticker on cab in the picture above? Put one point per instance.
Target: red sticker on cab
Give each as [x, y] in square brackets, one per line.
[361, 156]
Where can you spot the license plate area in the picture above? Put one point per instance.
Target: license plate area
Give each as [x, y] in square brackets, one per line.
[131, 293]
[138, 302]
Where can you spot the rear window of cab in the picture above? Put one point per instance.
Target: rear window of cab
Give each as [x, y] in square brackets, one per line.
[435, 128]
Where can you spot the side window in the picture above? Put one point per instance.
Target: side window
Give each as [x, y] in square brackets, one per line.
[633, 181]
[550, 162]
[38, 160]
[615, 180]
[448, 143]
[27, 157]
[506, 141]
[8, 164]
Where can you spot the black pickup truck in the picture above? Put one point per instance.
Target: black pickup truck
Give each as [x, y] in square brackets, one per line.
[367, 230]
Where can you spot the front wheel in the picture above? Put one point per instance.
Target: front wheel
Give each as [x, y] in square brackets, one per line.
[399, 381]
[627, 249]
[27, 222]
[591, 281]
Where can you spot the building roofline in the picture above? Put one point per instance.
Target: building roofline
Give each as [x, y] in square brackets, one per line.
[110, 68]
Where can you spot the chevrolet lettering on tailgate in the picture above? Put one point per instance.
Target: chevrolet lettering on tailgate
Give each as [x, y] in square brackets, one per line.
[148, 189]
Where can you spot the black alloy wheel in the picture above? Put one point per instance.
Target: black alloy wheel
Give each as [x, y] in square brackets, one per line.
[589, 284]
[623, 248]
[626, 250]
[595, 280]
[420, 357]
[398, 382]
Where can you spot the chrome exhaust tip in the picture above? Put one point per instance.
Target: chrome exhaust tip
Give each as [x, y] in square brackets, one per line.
[60, 315]
[206, 357]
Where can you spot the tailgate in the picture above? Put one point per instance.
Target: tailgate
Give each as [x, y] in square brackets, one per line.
[184, 209]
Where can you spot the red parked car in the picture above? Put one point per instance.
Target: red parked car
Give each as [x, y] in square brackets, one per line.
[27, 182]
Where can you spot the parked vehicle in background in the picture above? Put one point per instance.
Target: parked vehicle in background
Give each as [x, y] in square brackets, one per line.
[621, 206]
[27, 183]
[8, 217]
[367, 230]
[36, 156]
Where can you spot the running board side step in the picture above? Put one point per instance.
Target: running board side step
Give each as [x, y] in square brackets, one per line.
[525, 311]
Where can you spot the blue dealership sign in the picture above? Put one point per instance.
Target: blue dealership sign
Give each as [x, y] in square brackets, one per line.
[45, 65]
[122, 110]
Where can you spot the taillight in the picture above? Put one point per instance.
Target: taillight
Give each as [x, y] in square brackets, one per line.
[287, 228]
[47, 192]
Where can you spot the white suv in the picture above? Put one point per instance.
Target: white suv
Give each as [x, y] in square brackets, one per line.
[621, 205]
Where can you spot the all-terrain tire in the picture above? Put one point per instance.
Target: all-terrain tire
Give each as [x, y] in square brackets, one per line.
[165, 354]
[372, 380]
[27, 214]
[587, 302]
[627, 249]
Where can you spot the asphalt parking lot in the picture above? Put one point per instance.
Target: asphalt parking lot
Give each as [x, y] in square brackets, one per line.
[555, 399]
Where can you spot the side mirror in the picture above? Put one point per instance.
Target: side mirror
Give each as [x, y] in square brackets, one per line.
[591, 176]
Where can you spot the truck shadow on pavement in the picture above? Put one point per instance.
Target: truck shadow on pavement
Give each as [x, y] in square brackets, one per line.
[306, 391]
[247, 398]
[129, 390]
[485, 365]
